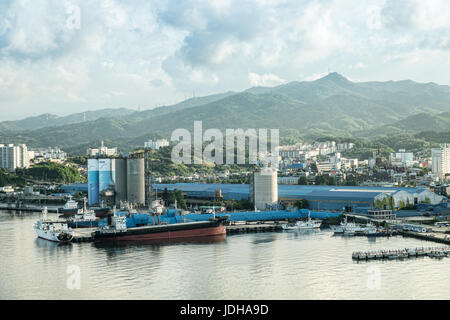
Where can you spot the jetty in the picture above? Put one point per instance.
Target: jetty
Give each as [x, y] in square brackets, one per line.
[433, 252]
[253, 227]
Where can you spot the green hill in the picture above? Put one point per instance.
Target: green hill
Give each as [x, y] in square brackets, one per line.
[331, 106]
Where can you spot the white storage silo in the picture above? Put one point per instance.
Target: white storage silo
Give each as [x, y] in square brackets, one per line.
[265, 188]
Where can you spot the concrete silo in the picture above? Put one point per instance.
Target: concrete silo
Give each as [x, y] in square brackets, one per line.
[136, 181]
[265, 188]
[120, 180]
[93, 182]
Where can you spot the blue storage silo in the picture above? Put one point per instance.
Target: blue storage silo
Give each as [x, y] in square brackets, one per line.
[106, 174]
[93, 181]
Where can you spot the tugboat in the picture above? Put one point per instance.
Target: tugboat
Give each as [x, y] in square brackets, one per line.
[117, 231]
[70, 209]
[87, 220]
[102, 212]
[52, 230]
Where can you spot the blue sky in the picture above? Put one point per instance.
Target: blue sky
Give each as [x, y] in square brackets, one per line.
[140, 53]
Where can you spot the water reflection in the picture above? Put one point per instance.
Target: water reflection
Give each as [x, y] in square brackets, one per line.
[294, 264]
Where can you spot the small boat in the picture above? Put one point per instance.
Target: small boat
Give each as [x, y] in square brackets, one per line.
[87, 220]
[70, 208]
[308, 224]
[102, 212]
[52, 230]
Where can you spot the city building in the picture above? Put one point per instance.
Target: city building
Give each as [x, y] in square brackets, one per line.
[441, 161]
[156, 145]
[48, 154]
[401, 158]
[13, 157]
[102, 151]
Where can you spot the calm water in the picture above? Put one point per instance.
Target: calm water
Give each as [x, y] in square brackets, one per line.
[283, 265]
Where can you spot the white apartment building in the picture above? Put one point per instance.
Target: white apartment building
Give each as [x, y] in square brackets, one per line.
[101, 151]
[402, 158]
[49, 154]
[155, 145]
[441, 161]
[13, 157]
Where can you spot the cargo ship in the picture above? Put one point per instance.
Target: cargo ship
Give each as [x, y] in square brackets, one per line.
[117, 231]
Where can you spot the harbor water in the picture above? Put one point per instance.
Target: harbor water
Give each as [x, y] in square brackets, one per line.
[272, 265]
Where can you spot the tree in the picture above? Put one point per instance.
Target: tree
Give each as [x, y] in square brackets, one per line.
[331, 181]
[165, 196]
[320, 180]
[301, 204]
[303, 181]
[179, 196]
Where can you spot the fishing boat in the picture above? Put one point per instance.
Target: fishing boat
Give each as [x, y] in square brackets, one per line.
[308, 224]
[117, 231]
[52, 230]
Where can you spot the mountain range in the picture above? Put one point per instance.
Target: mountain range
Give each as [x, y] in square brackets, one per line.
[329, 106]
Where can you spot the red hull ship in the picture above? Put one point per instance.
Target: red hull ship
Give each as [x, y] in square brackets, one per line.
[177, 231]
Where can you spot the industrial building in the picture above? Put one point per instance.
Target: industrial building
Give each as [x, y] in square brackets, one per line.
[115, 180]
[319, 197]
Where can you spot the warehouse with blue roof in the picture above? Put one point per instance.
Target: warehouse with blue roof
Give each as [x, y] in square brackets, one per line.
[318, 197]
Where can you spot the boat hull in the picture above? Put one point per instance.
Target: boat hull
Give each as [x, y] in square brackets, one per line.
[162, 232]
[53, 236]
[83, 224]
[103, 212]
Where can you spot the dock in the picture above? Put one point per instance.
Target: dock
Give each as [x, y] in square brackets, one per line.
[253, 227]
[433, 252]
[28, 208]
[429, 236]
[83, 235]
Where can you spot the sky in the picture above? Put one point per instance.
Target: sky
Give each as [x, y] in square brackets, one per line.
[66, 56]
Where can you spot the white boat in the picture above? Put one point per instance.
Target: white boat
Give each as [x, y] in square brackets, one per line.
[351, 228]
[52, 230]
[308, 224]
[70, 208]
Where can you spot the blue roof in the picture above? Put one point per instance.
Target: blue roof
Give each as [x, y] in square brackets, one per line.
[75, 187]
[287, 191]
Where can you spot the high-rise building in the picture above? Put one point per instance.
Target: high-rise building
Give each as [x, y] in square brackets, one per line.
[13, 157]
[441, 161]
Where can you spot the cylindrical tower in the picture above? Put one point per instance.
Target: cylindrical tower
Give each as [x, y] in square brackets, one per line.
[136, 181]
[265, 188]
[120, 180]
[93, 180]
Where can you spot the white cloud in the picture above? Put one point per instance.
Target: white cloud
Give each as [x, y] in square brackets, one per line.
[140, 52]
[265, 80]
